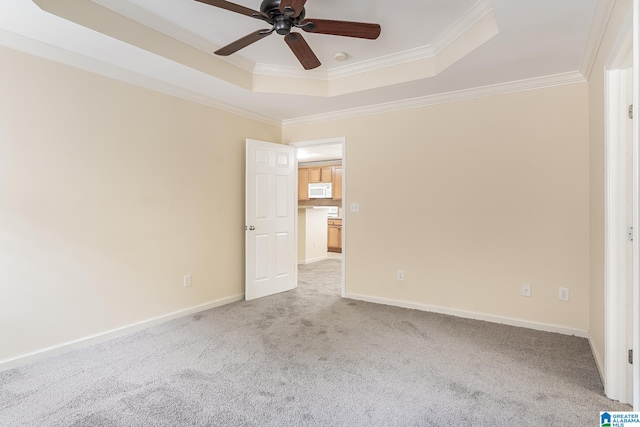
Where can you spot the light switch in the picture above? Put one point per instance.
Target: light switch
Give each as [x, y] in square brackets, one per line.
[355, 207]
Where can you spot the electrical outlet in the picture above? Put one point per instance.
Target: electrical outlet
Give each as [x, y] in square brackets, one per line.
[563, 294]
[315, 245]
[186, 280]
[400, 275]
[526, 290]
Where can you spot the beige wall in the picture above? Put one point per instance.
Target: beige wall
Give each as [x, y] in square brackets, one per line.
[302, 236]
[109, 194]
[597, 180]
[312, 235]
[471, 199]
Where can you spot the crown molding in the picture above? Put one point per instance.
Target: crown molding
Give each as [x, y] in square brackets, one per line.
[462, 25]
[288, 72]
[456, 96]
[458, 28]
[598, 27]
[92, 65]
[409, 55]
[90, 14]
[63, 56]
[148, 18]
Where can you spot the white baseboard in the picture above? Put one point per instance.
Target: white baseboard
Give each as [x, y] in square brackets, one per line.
[312, 260]
[598, 359]
[108, 335]
[547, 327]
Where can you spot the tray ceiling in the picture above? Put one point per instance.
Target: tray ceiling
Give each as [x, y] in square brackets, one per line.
[429, 51]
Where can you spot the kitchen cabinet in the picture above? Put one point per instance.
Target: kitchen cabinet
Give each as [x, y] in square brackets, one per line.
[303, 184]
[337, 183]
[320, 174]
[334, 235]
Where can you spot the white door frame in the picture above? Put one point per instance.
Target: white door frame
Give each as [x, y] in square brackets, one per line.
[619, 276]
[636, 200]
[331, 141]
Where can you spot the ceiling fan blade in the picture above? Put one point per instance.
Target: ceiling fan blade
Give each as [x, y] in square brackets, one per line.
[342, 28]
[302, 51]
[232, 7]
[243, 42]
[296, 5]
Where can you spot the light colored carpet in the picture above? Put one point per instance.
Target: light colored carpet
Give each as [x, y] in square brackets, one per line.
[308, 357]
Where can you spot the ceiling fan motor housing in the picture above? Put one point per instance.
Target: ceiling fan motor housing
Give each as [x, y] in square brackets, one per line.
[272, 8]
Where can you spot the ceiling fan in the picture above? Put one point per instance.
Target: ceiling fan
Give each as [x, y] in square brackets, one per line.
[283, 16]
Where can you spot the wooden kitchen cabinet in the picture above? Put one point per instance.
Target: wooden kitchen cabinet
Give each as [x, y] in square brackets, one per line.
[320, 174]
[326, 174]
[337, 183]
[334, 235]
[303, 184]
[314, 174]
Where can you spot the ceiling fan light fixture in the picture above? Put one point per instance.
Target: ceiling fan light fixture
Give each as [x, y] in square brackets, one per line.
[340, 56]
[282, 26]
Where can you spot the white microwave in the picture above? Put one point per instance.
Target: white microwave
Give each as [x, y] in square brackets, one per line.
[320, 191]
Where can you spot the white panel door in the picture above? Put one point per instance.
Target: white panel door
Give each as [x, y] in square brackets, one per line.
[270, 262]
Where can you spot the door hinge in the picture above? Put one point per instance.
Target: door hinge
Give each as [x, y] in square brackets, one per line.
[630, 357]
[630, 234]
[631, 111]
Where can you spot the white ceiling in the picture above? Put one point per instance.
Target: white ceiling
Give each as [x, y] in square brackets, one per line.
[536, 43]
[318, 153]
[219, 27]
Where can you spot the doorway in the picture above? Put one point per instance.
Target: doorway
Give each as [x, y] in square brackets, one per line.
[321, 223]
[620, 261]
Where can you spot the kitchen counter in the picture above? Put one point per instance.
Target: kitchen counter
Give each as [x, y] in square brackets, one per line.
[320, 202]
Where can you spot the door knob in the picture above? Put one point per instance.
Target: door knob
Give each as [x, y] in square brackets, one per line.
[251, 227]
